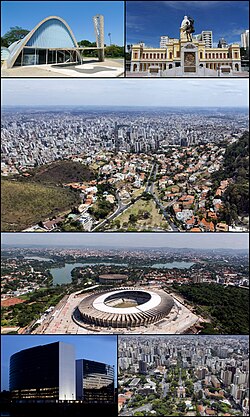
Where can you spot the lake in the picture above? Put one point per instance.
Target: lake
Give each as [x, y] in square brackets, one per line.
[63, 275]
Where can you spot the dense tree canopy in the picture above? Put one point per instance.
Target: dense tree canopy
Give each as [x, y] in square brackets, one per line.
[236, 167]
[229, 306]
[14, 34]
[112, 51]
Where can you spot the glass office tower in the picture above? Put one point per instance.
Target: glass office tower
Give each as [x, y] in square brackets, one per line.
[94, 382]
[43, 372]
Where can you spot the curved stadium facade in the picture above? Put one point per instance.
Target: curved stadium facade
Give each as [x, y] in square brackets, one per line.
[50, 42]
[124, 308]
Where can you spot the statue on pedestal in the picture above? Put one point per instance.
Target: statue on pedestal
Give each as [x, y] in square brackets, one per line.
[187, 27]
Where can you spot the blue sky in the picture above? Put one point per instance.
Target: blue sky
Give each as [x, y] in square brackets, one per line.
[132, 92]
[96, 348]
[147, 21]
[119, 240]
[78, 14]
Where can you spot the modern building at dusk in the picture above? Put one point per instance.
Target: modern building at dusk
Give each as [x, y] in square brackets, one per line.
[43, 372]
[51, 373]
[94, 382]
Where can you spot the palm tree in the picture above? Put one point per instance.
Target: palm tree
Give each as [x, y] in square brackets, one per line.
[109, 35]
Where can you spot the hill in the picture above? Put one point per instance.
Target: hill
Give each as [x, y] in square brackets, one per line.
[24, 204]
[61, 172]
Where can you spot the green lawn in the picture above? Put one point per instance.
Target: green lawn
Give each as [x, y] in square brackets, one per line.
[154, 219]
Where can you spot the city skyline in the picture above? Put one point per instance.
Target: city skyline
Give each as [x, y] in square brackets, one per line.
[148, 21]
[120, 240]
[78, 15]
[97, 348]
[154, 93]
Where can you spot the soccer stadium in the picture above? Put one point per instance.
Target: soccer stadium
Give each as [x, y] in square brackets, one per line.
[124, 308]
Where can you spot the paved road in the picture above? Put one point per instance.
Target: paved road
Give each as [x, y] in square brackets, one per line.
[149, 182]
[165, 388]
[121, 206]
[146, 407]
[173, 227]
[149, 188]
[167, 216]
[120, 209]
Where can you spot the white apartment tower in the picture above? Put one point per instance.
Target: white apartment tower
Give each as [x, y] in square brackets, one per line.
[207, 37]
[163, 42]
[245, 39]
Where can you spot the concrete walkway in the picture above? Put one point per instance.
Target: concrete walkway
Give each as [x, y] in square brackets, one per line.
[108, 68]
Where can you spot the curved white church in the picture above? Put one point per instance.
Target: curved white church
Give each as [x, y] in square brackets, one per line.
[50, 42]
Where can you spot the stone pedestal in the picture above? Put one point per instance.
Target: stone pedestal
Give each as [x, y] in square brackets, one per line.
[189, 58]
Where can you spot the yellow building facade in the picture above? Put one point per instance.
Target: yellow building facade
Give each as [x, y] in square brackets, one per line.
[182, 56]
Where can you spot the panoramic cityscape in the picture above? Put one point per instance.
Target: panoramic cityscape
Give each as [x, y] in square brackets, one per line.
[183, 376]
[75, 285]
[128, 168]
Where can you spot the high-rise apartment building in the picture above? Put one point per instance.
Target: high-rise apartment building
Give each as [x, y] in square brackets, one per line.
[207, 37]
[222, 43]
[142, 367]
[163, 42]
[227, 377]
[245, 39]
